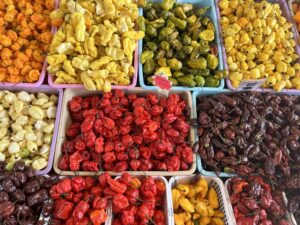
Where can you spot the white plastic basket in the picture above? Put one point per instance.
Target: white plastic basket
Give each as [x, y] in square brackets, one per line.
[214, 182]
[290, 216]
[167, 203]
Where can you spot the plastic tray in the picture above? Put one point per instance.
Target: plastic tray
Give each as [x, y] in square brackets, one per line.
[213, 16]
[290, 216]
[167, 203]
[194, 112]
[285, 12]
[66, 120]
[48, 90]
[296, 33]
[125, 87]
[214, 182]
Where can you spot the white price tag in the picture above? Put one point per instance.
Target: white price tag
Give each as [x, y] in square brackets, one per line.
[251, 84]
[163, 84]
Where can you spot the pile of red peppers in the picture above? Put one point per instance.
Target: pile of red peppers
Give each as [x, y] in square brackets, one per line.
[119, 132]
[82, 200]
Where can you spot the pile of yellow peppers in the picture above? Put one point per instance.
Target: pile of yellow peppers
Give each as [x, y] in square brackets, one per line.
[259, 44]
[95, 43]
[196, 204]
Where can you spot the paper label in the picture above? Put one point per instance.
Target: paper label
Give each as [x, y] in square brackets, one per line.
[163, 84]
[251, 84]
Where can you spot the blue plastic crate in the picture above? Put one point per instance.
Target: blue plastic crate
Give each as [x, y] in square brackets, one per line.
[213, 17]
[194, 113]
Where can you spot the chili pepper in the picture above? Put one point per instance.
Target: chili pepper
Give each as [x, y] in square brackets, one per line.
[265, 200]
[108, 192]
[135, 183]
[99, 145]
[75, 160]
[98, 216]
[109, 157]
[250, 204]
[238, 186]
[87, 124]
[100, 203]
[63, 209]
[116, 186]
[61, 188]
[132, 195]
[80, 209]
[64, 163]
[127, 217]
[159, 216]
[97, 190]
[148, 187]
[77, 197]
[120, 201]
[90, 166]
[83, 221]
[78, 183]
[89, 182]
[246, 221]
[143, 212]
[125, 178]
[89, 138]
[173, 164]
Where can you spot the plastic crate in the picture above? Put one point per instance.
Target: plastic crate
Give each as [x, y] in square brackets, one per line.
[47, 90]
[214, 182]
[286, 13]
[123, 87]
[213, 16]
[167, 203]
[194, 113]
[66, 120]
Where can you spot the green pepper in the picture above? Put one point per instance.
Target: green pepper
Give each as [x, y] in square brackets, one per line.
[24, 153]
[186, 81]
[187, 7]
[205, 21]
[199, 63]
[180, 13]
[172, 36]
[200, 81]
[141, 23]
[151, 14]
[207, 35]
[178, 74]
[176, 44]
[201, 12]
[170, 24]
[173, 81]
[211, 26]
[180, 55]
[195, 53]
[186, 40]
[164, 45]
[160, 22]
[160, 53]
[141, 3]
[151, 45]
[187, 49]
[212, 61]
[195, 34]
[162, 62]
[191, 19]
[149, 66]
[170, 53]
[164, 33]
[181, 24]
[150, 80]
[203, 73]
[221, 74]
[174, 64]
[167, 4]
[147, 55]
[212, 82]
[151, 31]
[228, 169]
[165, 14]
[204, 49]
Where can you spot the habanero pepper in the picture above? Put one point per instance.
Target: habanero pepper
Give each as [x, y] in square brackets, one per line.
[90, 166]
[83, 221]
[116, 185]
[97, 190]
[78, 183]
[125, 178]
[132, 195]
[148, 187]
[75, 160]
[81, 209]
[61, 188]
[99, 145]
[77, 197]
[89, 138]
[87, 124]
[64, 163]
[89, 182]
[62, 209]
[98, 217]
[100, 203]
[127, 217]
[143, 212]
[120, 201]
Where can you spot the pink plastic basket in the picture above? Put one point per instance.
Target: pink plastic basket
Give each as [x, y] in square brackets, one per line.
[286, 13]
[47, 90]
[134, 78]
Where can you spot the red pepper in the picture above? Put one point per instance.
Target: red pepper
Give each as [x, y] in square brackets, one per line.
[125, 178]
[116, 186]
[61, 188]
[70, 221]
[87, 124]
[98, 217]
[262, 214]
[100, 203]
[89, 112]
[77, 197]
[246, 221]
[173, 164]
[120, 201]
[99, 145]
[83, 221]
[62, 209]
[79, 145]
[90, 166]
[250, 204]
[265, 200]
[89, 182]
[120, 166]
[80, 209]
[238, 186]
[132, 195]
[127, 217]
[148, 188]
[68, 196]
[109, 157]
[143, 212]
[75, 160]
[134, 164]
[109, 192]
[64, 163]
[86, 155]
[161, 188]
[78, 183]
[102, 179]
[265, 222]
[97, 190]
[159, 216]
[89, 138]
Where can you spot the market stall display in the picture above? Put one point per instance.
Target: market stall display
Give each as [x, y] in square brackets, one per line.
[181, 42]
[29, 122]
[94, 45]
[259, 44]
[152, 137]
[25, 39]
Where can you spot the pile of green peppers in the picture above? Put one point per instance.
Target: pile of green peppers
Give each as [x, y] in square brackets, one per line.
[181, 41]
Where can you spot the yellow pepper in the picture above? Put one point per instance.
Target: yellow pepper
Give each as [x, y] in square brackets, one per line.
[213, 198]
[176, 195]
[183, 188]
[186, 205]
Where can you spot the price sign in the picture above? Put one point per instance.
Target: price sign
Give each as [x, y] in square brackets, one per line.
[163, 84]
[251, 84]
